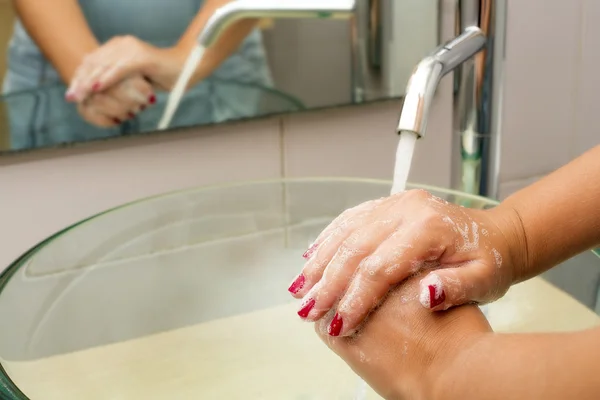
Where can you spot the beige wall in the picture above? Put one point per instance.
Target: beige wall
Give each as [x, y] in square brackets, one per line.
[551, 88]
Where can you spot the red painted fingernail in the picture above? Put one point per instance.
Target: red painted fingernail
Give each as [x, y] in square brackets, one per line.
[96, 86]
[297, 284]
[308, 253]
[305, 310]
[131, 115]
[335, 328]
[117, 121]
[152, 99]
[435, 299]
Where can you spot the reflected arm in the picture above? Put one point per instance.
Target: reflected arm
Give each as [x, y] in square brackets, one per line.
[60, 30]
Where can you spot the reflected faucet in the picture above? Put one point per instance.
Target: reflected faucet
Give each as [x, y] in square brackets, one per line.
[227, 14]
[235, 10]
[480, 28]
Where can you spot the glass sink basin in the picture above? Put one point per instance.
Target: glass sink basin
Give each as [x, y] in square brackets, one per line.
[180, 296]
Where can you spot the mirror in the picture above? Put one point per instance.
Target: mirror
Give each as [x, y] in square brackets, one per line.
[282, 66]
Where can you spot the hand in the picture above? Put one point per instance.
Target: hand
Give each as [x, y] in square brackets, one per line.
[118, 103]
[120, 58]
[376, 245]
[405, 352]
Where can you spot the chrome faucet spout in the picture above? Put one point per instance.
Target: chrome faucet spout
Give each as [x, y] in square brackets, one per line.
[240, 9]
[424, 81]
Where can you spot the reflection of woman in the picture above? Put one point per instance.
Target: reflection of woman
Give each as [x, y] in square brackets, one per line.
[51, 40]
[460, 256]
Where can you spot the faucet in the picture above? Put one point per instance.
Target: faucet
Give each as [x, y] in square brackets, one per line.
[480, 30]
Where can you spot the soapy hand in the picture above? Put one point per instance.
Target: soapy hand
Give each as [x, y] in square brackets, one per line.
[470, 255]
[118, 103]
[123, 57]
[403, 350]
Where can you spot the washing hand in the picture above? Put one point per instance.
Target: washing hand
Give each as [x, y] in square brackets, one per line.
[371, 248]
[117, 103]
[123, 57]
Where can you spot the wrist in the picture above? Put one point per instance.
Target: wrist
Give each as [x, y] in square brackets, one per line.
[455, 380]
[509, 224]
[164, 65]
[463, 333]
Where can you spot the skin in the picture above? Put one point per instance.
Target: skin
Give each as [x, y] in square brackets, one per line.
[65, 46]
[470, 255]
[406, 352]
[125, 56]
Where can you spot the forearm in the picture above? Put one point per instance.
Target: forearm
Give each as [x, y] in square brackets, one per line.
[60, 30]
[525, 366]
[227, 43]
[560, 214]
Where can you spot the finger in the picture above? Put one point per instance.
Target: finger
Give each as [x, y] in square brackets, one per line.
[322, 253]
[109, 107]
[81, 86]
[339, 220]
[95, 118]
[343, 266]
[473, 282]
[116, 72]
[397, 258]
[93, 65]
[130, 96]
[140, 91]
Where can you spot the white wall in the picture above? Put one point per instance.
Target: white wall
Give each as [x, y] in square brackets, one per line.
[553, 49]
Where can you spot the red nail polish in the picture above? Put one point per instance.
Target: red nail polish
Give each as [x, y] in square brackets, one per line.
[96, 87]
[131, 115]
[152, 99]
[297, 284]
[308, 253]
[117, 121]
[335, 328]
[305, 310]
[434, 300]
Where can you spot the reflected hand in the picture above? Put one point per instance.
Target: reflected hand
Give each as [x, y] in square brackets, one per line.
[118, 103]
[120, 58]
[403, 351]
[368, 249]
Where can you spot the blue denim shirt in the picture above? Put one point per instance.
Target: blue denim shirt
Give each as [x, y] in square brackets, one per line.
[44, 118]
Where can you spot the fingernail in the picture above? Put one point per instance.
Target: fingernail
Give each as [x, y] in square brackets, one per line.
[117, 121]
[96, 86]
[152, 99]
[311, 250]
[131, 115]
[297, 284]
[70, 96]
[335, 327]
[305, 310]
[436, 296]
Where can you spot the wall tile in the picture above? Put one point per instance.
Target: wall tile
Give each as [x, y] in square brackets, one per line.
[541, 69]
[587, 134]
[362, 141]
[508, 188]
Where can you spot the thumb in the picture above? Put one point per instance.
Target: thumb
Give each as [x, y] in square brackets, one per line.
[445, 288]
